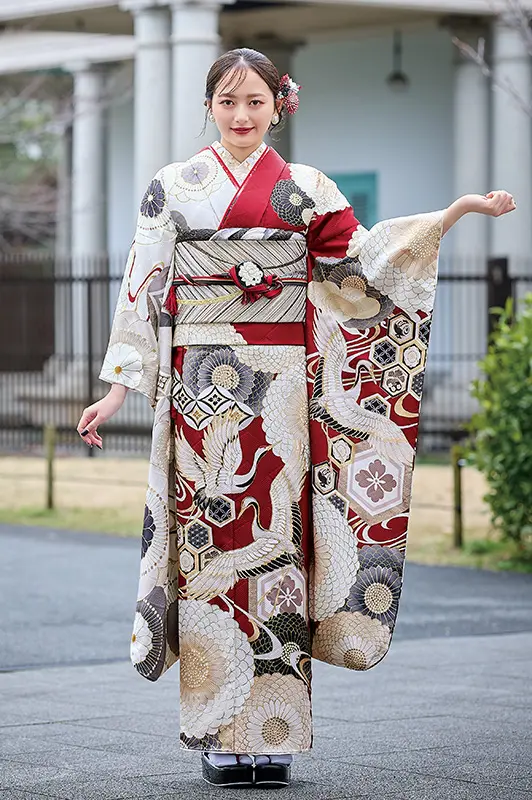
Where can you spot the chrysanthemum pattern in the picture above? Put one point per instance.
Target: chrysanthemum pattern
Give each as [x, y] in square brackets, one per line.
[291, 203]
[351, 640]
[275, 718]
[340, 286]
[216, 668]
[400, 259]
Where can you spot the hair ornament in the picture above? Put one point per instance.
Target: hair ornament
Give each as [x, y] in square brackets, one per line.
[288, 91]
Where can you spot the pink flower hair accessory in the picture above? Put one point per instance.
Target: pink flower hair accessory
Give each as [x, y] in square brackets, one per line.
[288, 91]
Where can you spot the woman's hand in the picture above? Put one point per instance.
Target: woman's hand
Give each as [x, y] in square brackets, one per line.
[494, 204]
[99, 412]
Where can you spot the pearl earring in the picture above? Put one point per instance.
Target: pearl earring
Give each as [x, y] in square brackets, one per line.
[211, 117]
[275, 119]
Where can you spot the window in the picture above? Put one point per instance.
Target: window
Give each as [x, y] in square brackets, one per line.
[360, 188]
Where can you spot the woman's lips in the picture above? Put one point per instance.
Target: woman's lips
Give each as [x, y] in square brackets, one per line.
[241, 131]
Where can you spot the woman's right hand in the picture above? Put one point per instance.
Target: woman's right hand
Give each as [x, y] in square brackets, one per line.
[99, 412]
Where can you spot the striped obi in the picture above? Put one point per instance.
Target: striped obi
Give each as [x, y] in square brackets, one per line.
[240, 280]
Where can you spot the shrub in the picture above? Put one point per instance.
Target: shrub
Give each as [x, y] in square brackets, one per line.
[501, 446]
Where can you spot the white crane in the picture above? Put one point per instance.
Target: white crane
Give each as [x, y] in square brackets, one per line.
[271, 547]
[216, 473]
[339, 408]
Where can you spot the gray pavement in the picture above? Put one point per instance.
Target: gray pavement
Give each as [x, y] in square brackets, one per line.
[447, 714]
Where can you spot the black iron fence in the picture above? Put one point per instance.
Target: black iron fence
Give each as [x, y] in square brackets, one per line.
[55, 317]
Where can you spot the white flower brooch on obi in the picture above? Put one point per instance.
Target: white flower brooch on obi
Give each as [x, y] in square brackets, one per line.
[249, 273]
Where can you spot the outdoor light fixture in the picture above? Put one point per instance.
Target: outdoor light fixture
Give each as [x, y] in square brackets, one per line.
[397, 79]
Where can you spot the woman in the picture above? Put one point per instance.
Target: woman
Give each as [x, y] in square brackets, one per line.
[282, 347]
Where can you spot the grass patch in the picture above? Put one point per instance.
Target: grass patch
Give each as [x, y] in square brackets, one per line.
[478, 552]
[100, 520]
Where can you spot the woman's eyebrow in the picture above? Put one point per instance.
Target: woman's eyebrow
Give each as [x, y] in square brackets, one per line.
[253, 94]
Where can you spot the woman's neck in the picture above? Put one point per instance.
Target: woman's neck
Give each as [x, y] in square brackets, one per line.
[240, 153]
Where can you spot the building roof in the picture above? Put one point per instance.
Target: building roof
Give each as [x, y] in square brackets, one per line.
[26, 51]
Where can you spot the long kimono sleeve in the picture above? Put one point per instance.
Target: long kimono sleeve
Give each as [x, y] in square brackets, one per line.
[370, 298]
[134, 355]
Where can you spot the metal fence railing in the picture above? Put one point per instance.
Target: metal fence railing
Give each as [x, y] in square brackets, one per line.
[54, 324]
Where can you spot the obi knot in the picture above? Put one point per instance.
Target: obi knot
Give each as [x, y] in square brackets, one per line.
[253, 282]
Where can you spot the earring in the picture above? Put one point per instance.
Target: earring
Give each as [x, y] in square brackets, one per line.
[275, 119]
[211, 117]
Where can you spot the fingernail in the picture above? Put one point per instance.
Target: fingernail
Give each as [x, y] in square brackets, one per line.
[85, 432]
[99, 445]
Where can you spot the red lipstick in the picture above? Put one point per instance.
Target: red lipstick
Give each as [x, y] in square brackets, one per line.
[241, 131]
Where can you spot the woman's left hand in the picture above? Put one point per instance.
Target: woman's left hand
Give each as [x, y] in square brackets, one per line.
[494, 204]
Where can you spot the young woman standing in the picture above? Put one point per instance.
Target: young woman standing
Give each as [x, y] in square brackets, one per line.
[282, 347]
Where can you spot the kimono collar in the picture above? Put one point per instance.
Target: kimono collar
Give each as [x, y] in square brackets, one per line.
[239, 169]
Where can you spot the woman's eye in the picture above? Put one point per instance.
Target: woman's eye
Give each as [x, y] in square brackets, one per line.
[224, 102]
[257, 102]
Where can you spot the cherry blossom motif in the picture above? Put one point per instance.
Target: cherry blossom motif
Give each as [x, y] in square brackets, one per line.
[376, 480]
[286, 596]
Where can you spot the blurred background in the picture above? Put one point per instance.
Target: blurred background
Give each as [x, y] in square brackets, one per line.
[407, 104]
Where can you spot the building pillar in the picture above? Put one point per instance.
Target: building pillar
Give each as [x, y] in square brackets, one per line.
[467, 325]
[152, 93]
[471, 155]
[89, 257]
[460, 319]
[195, 45]
[62, 256]
[512, 147]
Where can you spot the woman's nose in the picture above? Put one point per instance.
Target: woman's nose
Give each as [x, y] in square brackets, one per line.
[241, 114]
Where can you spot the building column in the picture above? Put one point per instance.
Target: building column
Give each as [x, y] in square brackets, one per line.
[152, 92]
[62, 255]
[89, 257]
[195, 45]
[468, 301]
[471, 155]
[512, 147]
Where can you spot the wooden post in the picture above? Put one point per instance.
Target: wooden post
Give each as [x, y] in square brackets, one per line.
[49, 443]
[457, 462]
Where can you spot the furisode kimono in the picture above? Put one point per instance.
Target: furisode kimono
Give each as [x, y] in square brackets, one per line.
[282, 347]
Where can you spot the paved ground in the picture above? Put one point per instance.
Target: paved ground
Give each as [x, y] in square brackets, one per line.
[447, 714]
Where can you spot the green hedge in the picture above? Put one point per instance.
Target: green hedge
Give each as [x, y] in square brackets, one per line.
[501, 443]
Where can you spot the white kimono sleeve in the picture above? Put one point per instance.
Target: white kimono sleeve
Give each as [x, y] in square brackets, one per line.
[133, 356]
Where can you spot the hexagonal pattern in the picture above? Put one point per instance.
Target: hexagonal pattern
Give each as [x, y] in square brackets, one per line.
[221, 510]
[324, 478]
[401, 329]
[208, 555]
[416, 384]
[341, 450]
[424, 331]
[384, 352]
[198, 535]
[188, 562]
[271, 600]
[339, 502]
[394, 380]
[376, 488]
[413, 357]
[377, 404]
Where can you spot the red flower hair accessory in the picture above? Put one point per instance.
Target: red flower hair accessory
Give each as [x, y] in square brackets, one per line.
[288, 91]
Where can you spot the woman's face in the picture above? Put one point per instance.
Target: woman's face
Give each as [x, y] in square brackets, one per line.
[242, 112]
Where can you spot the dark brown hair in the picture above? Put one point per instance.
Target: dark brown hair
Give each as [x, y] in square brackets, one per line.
[235, 63]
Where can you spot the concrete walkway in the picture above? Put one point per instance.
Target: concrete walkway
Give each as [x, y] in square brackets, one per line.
[447, 714]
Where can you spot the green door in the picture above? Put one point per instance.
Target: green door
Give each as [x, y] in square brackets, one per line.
[360, 188]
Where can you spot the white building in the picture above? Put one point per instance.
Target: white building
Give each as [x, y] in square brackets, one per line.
[138, 69]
